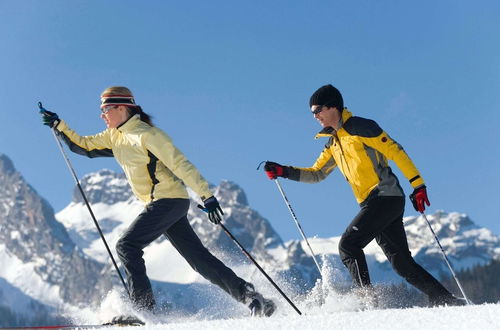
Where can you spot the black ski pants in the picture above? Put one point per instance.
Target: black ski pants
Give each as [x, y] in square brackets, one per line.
[169, 217]
[382, 218]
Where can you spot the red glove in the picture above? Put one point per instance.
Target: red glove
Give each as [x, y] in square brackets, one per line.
[274, 170]
[419, 199]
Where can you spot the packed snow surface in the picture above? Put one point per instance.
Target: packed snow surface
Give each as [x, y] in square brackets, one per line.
[322, 308]
[473, 317]
[335, 314]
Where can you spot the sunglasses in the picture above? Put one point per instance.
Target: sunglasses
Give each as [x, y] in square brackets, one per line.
[318, 109]
[107, 108]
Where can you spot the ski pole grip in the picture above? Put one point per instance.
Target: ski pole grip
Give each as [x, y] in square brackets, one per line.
[40, 106]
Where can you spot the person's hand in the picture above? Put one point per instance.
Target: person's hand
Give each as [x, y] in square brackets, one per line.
[50, 118]
[274, 170]
[213, 209]
[419, 199]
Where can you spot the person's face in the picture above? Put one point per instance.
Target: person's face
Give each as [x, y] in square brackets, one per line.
[114, 116]
[326, 116]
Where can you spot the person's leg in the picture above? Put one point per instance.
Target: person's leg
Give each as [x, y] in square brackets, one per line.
[185, 240]
[150, 224]
[394, 243]
[368, 223]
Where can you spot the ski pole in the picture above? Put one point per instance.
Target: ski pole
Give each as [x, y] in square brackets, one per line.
[447, 261]
[297, 223]
[296, 220]
[255, 263]
[71, 169]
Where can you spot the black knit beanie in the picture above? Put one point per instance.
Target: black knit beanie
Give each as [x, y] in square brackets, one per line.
[329, 96]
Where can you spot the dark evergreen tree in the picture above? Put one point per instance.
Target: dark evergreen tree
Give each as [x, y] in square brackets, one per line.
[480, 283]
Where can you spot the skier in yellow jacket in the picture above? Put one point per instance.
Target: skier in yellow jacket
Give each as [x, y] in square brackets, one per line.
[157, 172]
[361, 150]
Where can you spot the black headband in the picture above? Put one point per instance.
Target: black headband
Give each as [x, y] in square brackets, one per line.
[113, 100]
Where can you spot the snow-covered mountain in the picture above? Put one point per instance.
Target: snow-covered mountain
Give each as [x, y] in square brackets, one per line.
[465, 243]
[115, 207]
[40, 264]
[63, 262]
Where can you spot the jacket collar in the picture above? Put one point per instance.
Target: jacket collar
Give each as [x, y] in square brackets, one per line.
[130, 124]
[330, 131]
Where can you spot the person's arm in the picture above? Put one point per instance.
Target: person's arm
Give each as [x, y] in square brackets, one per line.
[323, 166]
[382, 142]
[160, 144]
[98, 145]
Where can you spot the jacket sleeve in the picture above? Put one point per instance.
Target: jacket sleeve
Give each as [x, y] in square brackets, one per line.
[323, 166]
[160, 144]
[98, 145]
[395, 152]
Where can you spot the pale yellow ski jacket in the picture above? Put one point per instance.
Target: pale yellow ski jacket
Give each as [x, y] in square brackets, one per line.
[361, 150]
[154, 167]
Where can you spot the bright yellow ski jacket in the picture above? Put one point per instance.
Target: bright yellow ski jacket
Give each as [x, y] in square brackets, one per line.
[361, 150]
[154, 167]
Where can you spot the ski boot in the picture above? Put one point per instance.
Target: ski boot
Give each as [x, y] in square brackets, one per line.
[124, 320]
[259, 306]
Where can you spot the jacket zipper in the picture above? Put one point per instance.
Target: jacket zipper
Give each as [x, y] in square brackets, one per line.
[343, 158]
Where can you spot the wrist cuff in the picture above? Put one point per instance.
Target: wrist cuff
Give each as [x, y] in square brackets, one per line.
[417, 181]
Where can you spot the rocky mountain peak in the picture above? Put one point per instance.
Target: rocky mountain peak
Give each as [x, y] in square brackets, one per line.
[231, 193]
[6, 165]
[103, 186]
[32, 235]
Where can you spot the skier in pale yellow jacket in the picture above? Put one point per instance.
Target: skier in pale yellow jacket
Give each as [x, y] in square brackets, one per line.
[157, 172]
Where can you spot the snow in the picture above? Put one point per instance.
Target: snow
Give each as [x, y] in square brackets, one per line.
[484, 317]
[338, 312]
[24, 277]
[164, 263]
[82, 230]
[195, 303]
[15, 235]
[209, 308]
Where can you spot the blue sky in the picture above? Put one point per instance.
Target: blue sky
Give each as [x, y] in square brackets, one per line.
[230, 81]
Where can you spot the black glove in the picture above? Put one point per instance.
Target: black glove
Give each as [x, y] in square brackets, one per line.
[213, 209]
[274, 170]
[49, 118]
